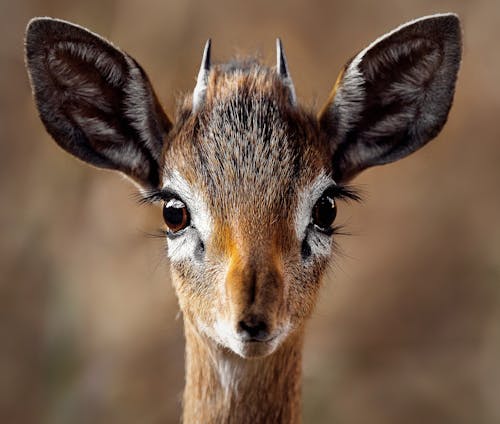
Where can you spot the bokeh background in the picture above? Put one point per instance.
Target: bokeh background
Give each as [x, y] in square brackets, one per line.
[408, 326]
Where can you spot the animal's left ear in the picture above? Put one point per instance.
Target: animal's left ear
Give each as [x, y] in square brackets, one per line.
[394, 96]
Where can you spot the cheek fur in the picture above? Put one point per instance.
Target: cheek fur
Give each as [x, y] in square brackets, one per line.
[320, 245]
[183, 247]
[304, 283]
[200, 289]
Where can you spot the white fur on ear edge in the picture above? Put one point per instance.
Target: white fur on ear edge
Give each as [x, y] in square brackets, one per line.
[350, 94]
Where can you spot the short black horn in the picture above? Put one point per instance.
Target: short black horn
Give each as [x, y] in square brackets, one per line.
[282, 70]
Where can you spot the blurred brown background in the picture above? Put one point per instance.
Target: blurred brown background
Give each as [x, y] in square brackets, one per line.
[408, 328]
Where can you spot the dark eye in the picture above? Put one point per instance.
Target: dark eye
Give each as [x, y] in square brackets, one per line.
[324, 211]
[176, 215]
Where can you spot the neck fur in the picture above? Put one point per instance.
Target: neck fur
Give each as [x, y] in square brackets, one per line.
[222, 387]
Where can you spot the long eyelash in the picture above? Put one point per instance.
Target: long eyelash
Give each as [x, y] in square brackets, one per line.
[347, 192]
[153, 196]
[340, 230]
[160, 233]
[149, 196]
[341, 192]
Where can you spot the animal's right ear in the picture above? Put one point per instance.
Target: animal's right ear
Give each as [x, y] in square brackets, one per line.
[95, 100]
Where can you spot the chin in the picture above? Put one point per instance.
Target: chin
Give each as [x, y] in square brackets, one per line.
[254, 350]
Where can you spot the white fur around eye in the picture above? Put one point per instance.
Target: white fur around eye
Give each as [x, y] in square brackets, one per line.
[184, 246]
[319, 243]
[174, 203]
[193, 199]
[308, 197]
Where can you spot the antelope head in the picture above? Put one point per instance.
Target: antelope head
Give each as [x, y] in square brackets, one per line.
[249, 180]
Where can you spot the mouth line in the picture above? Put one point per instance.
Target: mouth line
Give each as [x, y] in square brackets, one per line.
[256, 341]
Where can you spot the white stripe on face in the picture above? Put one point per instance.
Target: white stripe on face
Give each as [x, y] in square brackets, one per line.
[319, 243]
[307, 199]
[184, 246]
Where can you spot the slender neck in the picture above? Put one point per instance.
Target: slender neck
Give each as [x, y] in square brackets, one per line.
[222, 387]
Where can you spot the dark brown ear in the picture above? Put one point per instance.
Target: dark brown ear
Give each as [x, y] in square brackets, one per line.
[394, 96]
[95, 101]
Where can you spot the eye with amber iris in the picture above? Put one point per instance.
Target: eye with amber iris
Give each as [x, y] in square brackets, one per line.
[176, 215]
[324, 212]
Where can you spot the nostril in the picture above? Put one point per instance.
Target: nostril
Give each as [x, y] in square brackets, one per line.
[253, 329]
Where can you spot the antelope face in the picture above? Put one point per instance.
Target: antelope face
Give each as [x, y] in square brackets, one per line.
[256, 202]
[249, 180]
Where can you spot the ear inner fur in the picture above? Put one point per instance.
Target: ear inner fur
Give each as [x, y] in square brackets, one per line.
[95, 100]
[394, 96]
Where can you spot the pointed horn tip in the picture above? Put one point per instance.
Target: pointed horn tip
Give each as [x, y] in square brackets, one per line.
[281, 65]
[282, 69]
[207, 48]
[205, 61]
[279, 49]
[202, 79]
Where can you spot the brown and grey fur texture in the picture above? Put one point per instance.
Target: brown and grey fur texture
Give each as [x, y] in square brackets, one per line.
[249, 165]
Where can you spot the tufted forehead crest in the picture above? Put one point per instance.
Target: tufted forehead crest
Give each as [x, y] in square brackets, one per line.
[249, 143]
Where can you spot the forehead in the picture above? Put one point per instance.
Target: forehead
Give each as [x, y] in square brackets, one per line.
[249, 148]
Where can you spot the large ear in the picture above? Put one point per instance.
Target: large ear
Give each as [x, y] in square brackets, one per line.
[394, 96]
[95, 100]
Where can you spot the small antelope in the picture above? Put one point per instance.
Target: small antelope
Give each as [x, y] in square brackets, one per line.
[249, 182]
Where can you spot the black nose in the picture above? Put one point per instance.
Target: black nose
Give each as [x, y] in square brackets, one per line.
[253, 329]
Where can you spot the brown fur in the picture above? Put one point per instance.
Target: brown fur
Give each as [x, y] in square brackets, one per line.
[258, 243]
[263, 390]
[252, 165]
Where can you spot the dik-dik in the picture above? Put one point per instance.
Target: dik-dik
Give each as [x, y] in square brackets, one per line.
[249, 182]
